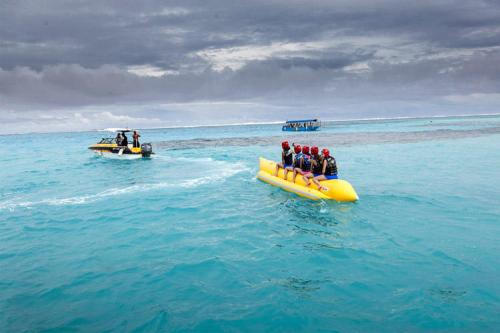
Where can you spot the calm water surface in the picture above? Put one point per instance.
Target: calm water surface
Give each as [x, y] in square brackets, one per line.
[190, 241]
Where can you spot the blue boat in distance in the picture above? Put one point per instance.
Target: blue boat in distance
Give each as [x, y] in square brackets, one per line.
[303, 125]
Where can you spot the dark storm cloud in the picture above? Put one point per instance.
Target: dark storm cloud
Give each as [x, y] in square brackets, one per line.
[76, 54]
[94, 33]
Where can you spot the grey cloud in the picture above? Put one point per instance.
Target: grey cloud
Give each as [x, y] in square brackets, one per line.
[324, 61]
[94, 33]
[76, 86]
[75, 54]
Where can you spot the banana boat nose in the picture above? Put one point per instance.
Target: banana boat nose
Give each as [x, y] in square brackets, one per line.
[340, 190]
[348, 192]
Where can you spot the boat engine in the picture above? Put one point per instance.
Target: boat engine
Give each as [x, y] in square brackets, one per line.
[146, 149]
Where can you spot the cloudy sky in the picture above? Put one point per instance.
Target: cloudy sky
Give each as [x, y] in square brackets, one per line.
[67, 65]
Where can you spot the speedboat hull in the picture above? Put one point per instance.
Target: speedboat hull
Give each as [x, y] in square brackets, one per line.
[117, 156]
[111, 150]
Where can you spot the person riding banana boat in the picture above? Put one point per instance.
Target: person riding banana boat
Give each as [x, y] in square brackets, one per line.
[296, 160]
[304, 163]
[286, 157]
[323, 167]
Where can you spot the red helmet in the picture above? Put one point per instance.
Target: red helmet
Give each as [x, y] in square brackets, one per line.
[285, 145]
[297, 149]
[305, 150]
[325, 152]
[314, 150]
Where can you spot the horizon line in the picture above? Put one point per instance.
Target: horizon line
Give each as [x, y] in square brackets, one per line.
[272, 122]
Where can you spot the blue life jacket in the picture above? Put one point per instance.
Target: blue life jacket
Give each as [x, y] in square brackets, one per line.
[296, 160]
[306, 162]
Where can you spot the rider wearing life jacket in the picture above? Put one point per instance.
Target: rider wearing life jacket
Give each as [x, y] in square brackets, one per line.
[298, 156]
[304, 165]
[328, 169]
[330, 165]
[286, 157]
[296, 160]
[316, 162]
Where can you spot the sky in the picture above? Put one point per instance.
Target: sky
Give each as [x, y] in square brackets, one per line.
[79, 65]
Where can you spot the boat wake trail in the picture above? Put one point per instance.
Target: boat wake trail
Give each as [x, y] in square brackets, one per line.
[225, 170]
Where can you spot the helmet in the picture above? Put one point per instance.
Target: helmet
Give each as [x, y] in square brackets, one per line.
[305, 150]
[314, 150]
[325, 152]
[297, 149]
[285, 145]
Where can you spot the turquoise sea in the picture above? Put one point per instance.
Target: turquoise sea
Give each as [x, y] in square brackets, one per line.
[190, 241]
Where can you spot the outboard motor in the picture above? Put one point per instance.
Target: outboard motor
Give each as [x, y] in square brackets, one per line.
[146, 149]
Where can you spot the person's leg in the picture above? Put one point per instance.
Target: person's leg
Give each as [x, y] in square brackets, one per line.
[278, 166]
[285, 176]
[306, 178]
[295, 171]
[316, 181]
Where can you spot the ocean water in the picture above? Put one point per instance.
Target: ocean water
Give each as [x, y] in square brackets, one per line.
[190, 241]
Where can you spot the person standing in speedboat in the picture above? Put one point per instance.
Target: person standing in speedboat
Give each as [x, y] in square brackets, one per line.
[136, 137]
[124, 140]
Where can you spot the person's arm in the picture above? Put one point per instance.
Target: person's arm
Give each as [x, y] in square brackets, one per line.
[324, 167]
[283, 157]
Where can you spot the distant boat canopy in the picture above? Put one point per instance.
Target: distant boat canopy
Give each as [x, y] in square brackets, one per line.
[302, 125]
[117, 130]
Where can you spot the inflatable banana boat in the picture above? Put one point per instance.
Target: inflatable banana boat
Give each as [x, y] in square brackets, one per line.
[337, 189]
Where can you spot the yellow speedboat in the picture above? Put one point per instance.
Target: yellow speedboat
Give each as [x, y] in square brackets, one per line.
[108, 147]
[337, 189]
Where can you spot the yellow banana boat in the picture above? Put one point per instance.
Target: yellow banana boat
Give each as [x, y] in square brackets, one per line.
[337, 189]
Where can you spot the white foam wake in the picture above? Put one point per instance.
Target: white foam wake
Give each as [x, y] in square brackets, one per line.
[187, 159]
[220, 175]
